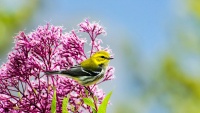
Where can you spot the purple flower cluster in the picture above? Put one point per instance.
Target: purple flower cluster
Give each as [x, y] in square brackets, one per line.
[23, 85]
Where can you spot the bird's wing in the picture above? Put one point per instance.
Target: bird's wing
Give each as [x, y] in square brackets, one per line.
[80, 71]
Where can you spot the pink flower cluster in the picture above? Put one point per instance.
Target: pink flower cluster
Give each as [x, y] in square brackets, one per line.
[23, 85]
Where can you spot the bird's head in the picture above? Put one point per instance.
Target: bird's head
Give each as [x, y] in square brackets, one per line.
[101, 58]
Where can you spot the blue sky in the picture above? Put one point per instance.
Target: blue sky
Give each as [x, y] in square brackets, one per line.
[143, 21]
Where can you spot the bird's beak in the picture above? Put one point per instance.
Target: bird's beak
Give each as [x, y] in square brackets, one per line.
[110, 58]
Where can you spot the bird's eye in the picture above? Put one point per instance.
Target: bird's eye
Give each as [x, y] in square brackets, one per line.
[103, 57]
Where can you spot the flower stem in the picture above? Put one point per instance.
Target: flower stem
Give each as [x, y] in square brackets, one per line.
[95, 103]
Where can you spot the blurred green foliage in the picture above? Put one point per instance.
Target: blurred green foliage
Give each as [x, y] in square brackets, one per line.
[182, 90]
[194, 6]
[12, 21]
[171, 84]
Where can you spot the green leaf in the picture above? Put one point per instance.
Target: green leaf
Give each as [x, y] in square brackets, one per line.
[96, 99]
[89, 102]
[86, 91]
[72, 108]
[19, 95]
[53, 103]
[93, 110]
[103, 106]
[64, 105]
[35, 91]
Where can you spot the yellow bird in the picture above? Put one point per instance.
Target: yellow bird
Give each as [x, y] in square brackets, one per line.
[89, 71]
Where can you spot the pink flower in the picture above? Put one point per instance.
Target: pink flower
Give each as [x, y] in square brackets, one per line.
[23, 85]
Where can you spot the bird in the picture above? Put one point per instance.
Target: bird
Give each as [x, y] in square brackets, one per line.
[89, 71]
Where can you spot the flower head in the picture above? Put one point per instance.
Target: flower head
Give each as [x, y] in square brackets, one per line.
[23, 85]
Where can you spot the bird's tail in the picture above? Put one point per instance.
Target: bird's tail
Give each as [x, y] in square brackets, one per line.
[64, 73]
[52, 72]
